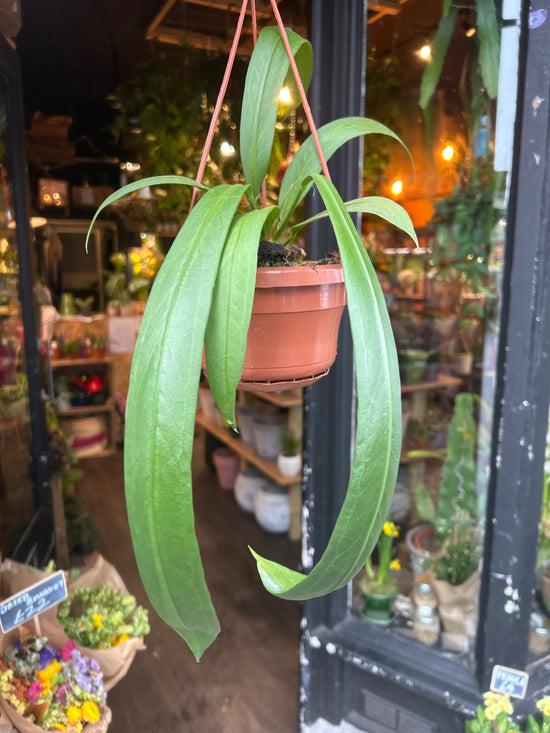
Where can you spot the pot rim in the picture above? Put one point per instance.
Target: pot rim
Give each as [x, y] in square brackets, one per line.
[296, 275]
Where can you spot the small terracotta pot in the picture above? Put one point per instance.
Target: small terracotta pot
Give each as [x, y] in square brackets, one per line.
[294, 326]
[227, 466]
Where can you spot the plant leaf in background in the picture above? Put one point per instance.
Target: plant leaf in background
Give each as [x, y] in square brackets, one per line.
[160, 417]
[440, 44]
[489, 45]
[378, 436]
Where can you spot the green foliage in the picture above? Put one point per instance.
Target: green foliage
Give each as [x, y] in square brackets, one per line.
[101, 617]
[209, 273]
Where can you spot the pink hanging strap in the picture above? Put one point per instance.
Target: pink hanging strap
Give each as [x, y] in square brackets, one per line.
[219, 101]
[301, 90]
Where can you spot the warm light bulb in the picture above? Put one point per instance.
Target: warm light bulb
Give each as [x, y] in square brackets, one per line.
[397, 187]
[226, 148]
[284, 95]
[425, 52]
[448, 152]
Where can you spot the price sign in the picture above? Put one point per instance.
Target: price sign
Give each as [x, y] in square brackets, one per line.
[509, 681]
[31, 601]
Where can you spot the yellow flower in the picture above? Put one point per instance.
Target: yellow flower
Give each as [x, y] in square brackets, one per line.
[390, 530]
[49, 671]
[134, 257]
[74, 715]
[496, 703]
[395, 565]
[544, 705]
[136, 268]
[120, 639]
[97, 618]
[90, 711]
[60, 726]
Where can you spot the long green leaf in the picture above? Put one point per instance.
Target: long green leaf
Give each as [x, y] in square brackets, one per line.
[489, 44]
[378, 436]
[137, 186]
[306, 161]
[385, 208]
[432, 72]
[160, 419]
[265, 77]
[227, 328]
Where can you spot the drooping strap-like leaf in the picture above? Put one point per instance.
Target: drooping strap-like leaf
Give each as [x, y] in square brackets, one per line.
[378, 436]
[137, 186]
[306, 161]
[227, 328]
[160, 418]
[432, 72]
[489, 45]
[380, 206]
[265, 77]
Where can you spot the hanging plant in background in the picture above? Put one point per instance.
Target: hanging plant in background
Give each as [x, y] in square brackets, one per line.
[203, 295]
[464, 220]
[160, 121]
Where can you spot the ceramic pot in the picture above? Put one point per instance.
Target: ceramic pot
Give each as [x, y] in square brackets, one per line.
[378, 607]
[420, 541]
[227, 466]
[267, 436]
[289, 465]
[247, 485]
[412, 363]
[208, 405]
[294, 326]
[245, 421]
[272, 508]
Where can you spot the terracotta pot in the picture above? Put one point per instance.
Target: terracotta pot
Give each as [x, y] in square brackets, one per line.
[227, 466]
[294, 326]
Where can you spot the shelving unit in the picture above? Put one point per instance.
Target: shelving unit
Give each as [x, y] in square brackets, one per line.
[292, 402]
[75, 367]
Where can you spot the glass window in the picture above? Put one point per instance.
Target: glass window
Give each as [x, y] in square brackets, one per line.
[443, 298]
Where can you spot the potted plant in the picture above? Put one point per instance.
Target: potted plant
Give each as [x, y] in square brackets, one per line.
[99, 344]
[203, 296]
[378, 587]
[496, 713]
[289, 461]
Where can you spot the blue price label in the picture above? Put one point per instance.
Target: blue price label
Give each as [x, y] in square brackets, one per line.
[31, 601]
[509, 681]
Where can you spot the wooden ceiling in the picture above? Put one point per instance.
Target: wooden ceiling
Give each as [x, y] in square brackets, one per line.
[209, 24]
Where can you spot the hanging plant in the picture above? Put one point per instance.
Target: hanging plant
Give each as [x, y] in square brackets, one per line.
[203, 294]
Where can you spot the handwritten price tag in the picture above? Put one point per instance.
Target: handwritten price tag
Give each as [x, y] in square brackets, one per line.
[35, 599]
[509, 681]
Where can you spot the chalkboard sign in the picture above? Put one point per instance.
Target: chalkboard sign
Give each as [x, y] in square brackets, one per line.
[31, 601]
[509, 681]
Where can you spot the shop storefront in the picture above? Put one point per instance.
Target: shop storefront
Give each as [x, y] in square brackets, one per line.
[480, 607]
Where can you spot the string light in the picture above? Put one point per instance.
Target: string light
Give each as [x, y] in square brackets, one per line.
[226, 148]
[425, 52]
[284, 95]
[448, 152]
[397, 187]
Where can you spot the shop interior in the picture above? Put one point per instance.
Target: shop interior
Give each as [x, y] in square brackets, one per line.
[442, 297]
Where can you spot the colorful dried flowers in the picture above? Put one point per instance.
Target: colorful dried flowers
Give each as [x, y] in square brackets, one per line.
[57, 690]
[101, 617]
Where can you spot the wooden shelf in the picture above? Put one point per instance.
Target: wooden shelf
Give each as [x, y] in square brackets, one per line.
[292, 398]
[107, 406]
[246, 452]
[57, 363]
[443, 381]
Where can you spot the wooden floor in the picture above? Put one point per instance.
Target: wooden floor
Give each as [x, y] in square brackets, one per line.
[248, 681]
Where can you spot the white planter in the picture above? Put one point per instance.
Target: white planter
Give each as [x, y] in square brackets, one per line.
[245, 422]
[289, 465]
[267, 436]
[247, 485]
[208, 406]
[272, 508]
